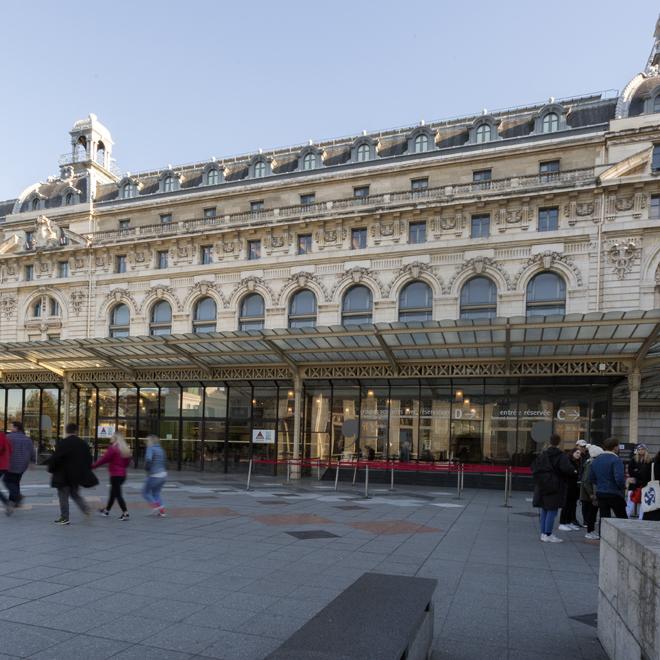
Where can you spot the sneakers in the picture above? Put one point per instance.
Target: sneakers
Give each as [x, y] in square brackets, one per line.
[61, 521]
[551, 538]
[104, 512]
[161, 512]
[9, 508]
[565, 528]
[592, 536]
[124, 516]
[575, 527]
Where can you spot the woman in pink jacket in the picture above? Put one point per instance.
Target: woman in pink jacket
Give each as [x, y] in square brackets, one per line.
[118, 457]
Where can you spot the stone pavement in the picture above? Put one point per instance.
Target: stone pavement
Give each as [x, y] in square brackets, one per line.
[230, 574]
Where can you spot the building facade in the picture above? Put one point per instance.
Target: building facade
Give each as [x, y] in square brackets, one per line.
[546, 215]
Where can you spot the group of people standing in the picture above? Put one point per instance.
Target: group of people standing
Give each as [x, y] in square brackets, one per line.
[592, 475]
[72, 467]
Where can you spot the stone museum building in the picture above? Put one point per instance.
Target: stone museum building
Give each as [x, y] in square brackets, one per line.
[451, 290]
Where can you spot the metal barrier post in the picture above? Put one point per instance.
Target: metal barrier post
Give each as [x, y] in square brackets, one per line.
[249, 477]
[337, 473]
[462, 478]
[366, 482]
[288, 470]
[357, 463]
[318, 467]
[507, 487]
[458, 483]
[392, 477]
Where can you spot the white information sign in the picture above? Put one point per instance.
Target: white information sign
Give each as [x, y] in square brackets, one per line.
[263, 436]
[105, 430]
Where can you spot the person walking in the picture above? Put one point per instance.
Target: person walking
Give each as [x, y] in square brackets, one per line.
[568, 517]
[5, 453]
[551, 470]
[639, 474]
[607, 474]
[156, 467]
[117, 457]
[22, 453]
[71, 467]
[588, 496]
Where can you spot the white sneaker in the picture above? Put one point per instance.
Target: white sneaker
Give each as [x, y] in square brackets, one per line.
[554, 539]
[545, 538]
[565, 528]
[592, 536]
[574, 527]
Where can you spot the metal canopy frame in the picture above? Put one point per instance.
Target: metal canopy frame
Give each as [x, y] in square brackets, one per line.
[609, 342]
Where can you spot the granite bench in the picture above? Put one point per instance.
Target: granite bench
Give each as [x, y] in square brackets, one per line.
[379, 617]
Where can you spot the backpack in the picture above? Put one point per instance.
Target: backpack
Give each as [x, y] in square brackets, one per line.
[545, 475]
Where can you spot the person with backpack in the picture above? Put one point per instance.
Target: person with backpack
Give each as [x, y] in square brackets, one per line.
[588, 496]
[155, 463]
[550, 472]
[608, 476]
[118, 458]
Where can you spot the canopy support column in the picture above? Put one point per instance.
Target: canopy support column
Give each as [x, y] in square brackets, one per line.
[66, 391]
[634, 382]
[297, 424]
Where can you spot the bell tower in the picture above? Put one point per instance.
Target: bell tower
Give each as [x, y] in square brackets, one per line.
[91, 147]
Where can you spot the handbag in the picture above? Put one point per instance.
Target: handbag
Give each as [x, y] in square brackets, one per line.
[651, 494]
[636, 496]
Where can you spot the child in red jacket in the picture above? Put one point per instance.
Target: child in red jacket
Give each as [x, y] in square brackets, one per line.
[118, 457]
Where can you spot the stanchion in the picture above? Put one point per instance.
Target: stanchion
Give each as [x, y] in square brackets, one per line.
[507, 487]
[366, 482]
[392, 478]
[318, 468]
[458, 483]
[357, 463]
[288, 470]
[337, 473]
[249, 477]
[462, 478]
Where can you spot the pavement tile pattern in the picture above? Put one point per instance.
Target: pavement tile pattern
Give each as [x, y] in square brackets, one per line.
[227, 576]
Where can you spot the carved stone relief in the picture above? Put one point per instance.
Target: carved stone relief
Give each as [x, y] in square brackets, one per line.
[623, 255]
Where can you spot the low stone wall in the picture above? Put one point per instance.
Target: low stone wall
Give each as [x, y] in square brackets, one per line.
[629, 590]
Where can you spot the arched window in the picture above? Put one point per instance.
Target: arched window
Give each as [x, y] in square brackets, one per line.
[479, 299]
[128, 190]
[54, 307]
[168, 184]
[161, 319]
[36, 309]
[656, 103]
[35, 204]
[80, 150]
[356, 306]
[416, 302]
[483, 133]
[204, 317]
[309, 162]
[213, 177]
[550, 122]
[421, 143]
[68, 200]
[252, 313]
[120, 320]
[546, 295]
[259, 169]
[302, 309]
[363, 153]
[100, 154]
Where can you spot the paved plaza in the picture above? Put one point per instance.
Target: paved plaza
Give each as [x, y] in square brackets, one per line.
[231, 574]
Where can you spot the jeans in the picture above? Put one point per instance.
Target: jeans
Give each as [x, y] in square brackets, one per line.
[64, 493]
[589, 514]
[12, 481]
[115, 493]
[151, 490]
[548, 520]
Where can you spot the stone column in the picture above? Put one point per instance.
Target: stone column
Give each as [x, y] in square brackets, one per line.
[297, 424]
[66, 391]
[634, 382]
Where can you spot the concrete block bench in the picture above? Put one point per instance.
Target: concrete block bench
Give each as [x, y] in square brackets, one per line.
[379, 617]
[629, 589]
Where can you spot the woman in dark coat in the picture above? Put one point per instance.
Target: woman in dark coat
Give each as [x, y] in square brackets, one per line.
[551, 470]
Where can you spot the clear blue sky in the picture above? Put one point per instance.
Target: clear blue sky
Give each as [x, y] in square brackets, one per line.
[182, 81]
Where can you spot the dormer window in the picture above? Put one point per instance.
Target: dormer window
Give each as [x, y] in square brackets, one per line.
[421, 143]
[550, 122]
[128, 190]
[656, 103]
[168, 184]
[213, 177]
[259, 169]
[68, 200]
[483, 133]
[36, 202]
[363, 153]
[309, 162]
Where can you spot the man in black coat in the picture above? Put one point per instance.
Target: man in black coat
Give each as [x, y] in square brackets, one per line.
[71, 467]
[551, 471]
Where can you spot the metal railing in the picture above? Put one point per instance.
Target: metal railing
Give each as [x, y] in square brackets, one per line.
[446, 193]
